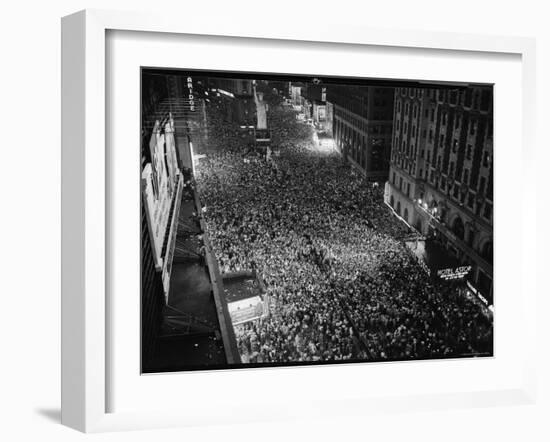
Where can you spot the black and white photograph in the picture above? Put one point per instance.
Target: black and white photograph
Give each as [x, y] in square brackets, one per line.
[294, 220]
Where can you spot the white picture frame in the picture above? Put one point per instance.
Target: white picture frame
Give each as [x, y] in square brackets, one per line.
[85, 201]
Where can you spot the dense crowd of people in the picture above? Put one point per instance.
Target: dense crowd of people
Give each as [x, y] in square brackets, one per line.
[342, 285]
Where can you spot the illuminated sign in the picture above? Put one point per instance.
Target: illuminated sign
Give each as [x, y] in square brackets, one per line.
[321, 113]
[160, 180]
[245, 310]
[170, 154]
[191, 97]
[456, 273]
[157, 208]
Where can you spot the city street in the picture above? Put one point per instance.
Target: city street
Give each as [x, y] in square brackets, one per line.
[342, 283]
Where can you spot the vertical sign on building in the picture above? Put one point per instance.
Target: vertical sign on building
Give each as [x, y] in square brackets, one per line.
[190, 96]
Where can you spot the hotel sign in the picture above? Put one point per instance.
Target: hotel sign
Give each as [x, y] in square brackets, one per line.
[454, 273]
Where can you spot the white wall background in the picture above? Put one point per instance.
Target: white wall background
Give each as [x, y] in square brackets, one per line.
[30, 215]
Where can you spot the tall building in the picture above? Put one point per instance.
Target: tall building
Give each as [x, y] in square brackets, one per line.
[441, 173]
[237, 98]
[362, 120]
[315, 104]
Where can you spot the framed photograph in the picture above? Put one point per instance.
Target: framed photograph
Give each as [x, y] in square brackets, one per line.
[306, 219]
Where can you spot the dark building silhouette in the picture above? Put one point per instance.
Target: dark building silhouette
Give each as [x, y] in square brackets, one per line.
[441, 174]
[362, 126]
[236, 96]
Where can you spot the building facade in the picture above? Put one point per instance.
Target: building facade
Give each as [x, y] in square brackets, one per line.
[362, 119]
[441, 172]
[314, 104]
[237, 99]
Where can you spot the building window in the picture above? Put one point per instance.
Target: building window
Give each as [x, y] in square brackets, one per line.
[476, 100]
[466, 173]
[432, 117]
[453, 97]
[473, 125]
[470, 202]
[487, 211]
[468, 98]
[485, 100]
[487, 252]
[458, 228]
[470, 238]
[486, 158]
[482, 185]
[469, 152]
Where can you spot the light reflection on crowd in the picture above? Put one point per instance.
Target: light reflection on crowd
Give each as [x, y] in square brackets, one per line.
[341, 282]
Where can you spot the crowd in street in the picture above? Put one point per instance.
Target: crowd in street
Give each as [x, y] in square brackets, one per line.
[342, 285]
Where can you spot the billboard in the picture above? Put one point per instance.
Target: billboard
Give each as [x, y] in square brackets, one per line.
[170, 155]
[159, 184]
[246, 296]
[246, 309]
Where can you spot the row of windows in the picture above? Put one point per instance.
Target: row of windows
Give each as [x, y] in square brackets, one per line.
[480, 188]
[405, 128]
[469, 98]
[431, 114]
[404, 157]
[361, 124]
[412, 92]
[404, 186]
